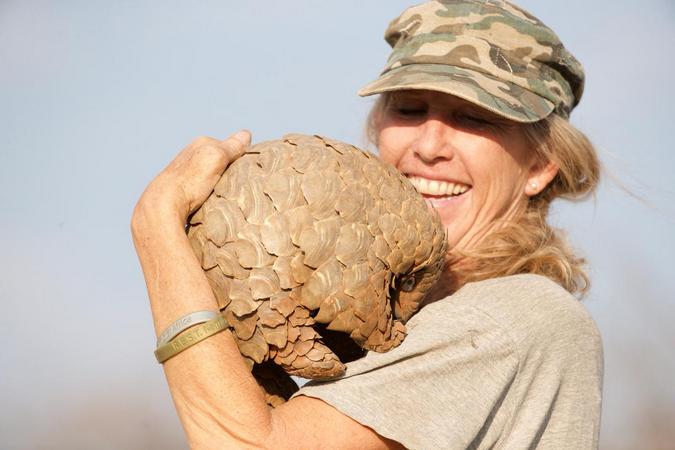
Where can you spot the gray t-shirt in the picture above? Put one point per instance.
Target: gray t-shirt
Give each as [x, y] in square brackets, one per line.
[507, 363]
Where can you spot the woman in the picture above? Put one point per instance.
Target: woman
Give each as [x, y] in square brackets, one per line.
[474, 107]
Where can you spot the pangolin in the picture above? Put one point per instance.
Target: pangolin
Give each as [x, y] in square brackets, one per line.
[306, 240]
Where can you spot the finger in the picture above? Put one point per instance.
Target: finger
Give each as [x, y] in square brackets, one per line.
[207, 156]
[236, 144]
[243, 136]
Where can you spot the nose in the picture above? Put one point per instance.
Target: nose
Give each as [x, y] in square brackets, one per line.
[434, 141]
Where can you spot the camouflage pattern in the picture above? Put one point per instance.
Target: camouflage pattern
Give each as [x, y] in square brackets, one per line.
[488, 52]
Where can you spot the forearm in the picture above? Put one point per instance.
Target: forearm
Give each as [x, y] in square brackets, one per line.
[217, 399]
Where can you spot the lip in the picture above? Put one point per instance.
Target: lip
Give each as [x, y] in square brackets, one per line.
[441, 202]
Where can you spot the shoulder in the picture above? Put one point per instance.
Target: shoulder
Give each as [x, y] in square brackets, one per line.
[532, 311]
[481, 366]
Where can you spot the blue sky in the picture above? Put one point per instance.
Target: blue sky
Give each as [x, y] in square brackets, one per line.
[96, 97]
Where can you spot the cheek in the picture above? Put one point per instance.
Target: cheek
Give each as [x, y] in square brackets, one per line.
[497, 181]
[388, 156]
[496, 174]
[391, 144]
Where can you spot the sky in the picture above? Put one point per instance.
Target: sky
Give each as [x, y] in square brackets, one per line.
[97, 97]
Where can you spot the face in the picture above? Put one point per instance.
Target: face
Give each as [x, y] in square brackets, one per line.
[474, 167]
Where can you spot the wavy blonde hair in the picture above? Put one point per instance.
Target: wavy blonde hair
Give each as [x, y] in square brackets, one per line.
[529, 244]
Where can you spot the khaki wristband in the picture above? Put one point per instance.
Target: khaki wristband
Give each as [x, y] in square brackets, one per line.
[189, 338]
[185, 322]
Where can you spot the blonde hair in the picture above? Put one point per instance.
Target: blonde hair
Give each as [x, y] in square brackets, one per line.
[529, 244]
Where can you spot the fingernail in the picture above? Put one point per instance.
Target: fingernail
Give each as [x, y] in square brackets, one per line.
[243, 136]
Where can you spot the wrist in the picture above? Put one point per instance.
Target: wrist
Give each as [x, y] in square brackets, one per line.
[154, 213]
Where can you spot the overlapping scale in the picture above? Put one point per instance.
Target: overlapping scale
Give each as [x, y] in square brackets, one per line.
[283, 187]
[353, 243]
[275, 237]
[227, 260]
[321, 284]
[318, 241]
[321, 190]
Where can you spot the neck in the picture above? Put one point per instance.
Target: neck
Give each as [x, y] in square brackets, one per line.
[451, 278]
[446, 285]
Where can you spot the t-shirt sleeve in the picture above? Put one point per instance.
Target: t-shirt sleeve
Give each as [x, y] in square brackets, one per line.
[441, 388]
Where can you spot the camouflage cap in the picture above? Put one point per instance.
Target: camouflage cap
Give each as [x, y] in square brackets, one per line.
[489, 52]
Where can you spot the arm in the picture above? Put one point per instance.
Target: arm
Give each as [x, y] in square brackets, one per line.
[218, 401]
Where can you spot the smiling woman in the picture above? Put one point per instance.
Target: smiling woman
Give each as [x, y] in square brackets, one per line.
[506, 232]
[443, 139]
[475, 101]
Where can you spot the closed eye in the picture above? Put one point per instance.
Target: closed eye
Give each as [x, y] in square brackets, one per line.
[471, 119]
[411, 112]
[408, 108]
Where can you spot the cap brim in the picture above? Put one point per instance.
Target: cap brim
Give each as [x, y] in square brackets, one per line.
[501, 97]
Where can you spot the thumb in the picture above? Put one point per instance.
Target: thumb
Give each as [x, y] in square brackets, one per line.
[243, 136]
[236, 144]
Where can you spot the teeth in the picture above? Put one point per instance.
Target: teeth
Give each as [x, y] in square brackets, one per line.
[436, 187]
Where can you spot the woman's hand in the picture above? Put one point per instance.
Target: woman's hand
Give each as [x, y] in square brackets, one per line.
[189, 179]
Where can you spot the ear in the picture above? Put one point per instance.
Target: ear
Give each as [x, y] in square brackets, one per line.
[541, 174]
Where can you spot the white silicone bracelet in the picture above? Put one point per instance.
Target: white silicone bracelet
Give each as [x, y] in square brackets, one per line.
[184, 323]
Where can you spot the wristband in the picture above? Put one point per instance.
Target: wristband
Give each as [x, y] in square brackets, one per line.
[189, 338]
[184, 323]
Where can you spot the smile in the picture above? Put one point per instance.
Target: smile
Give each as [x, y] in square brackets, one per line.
[438, 188]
